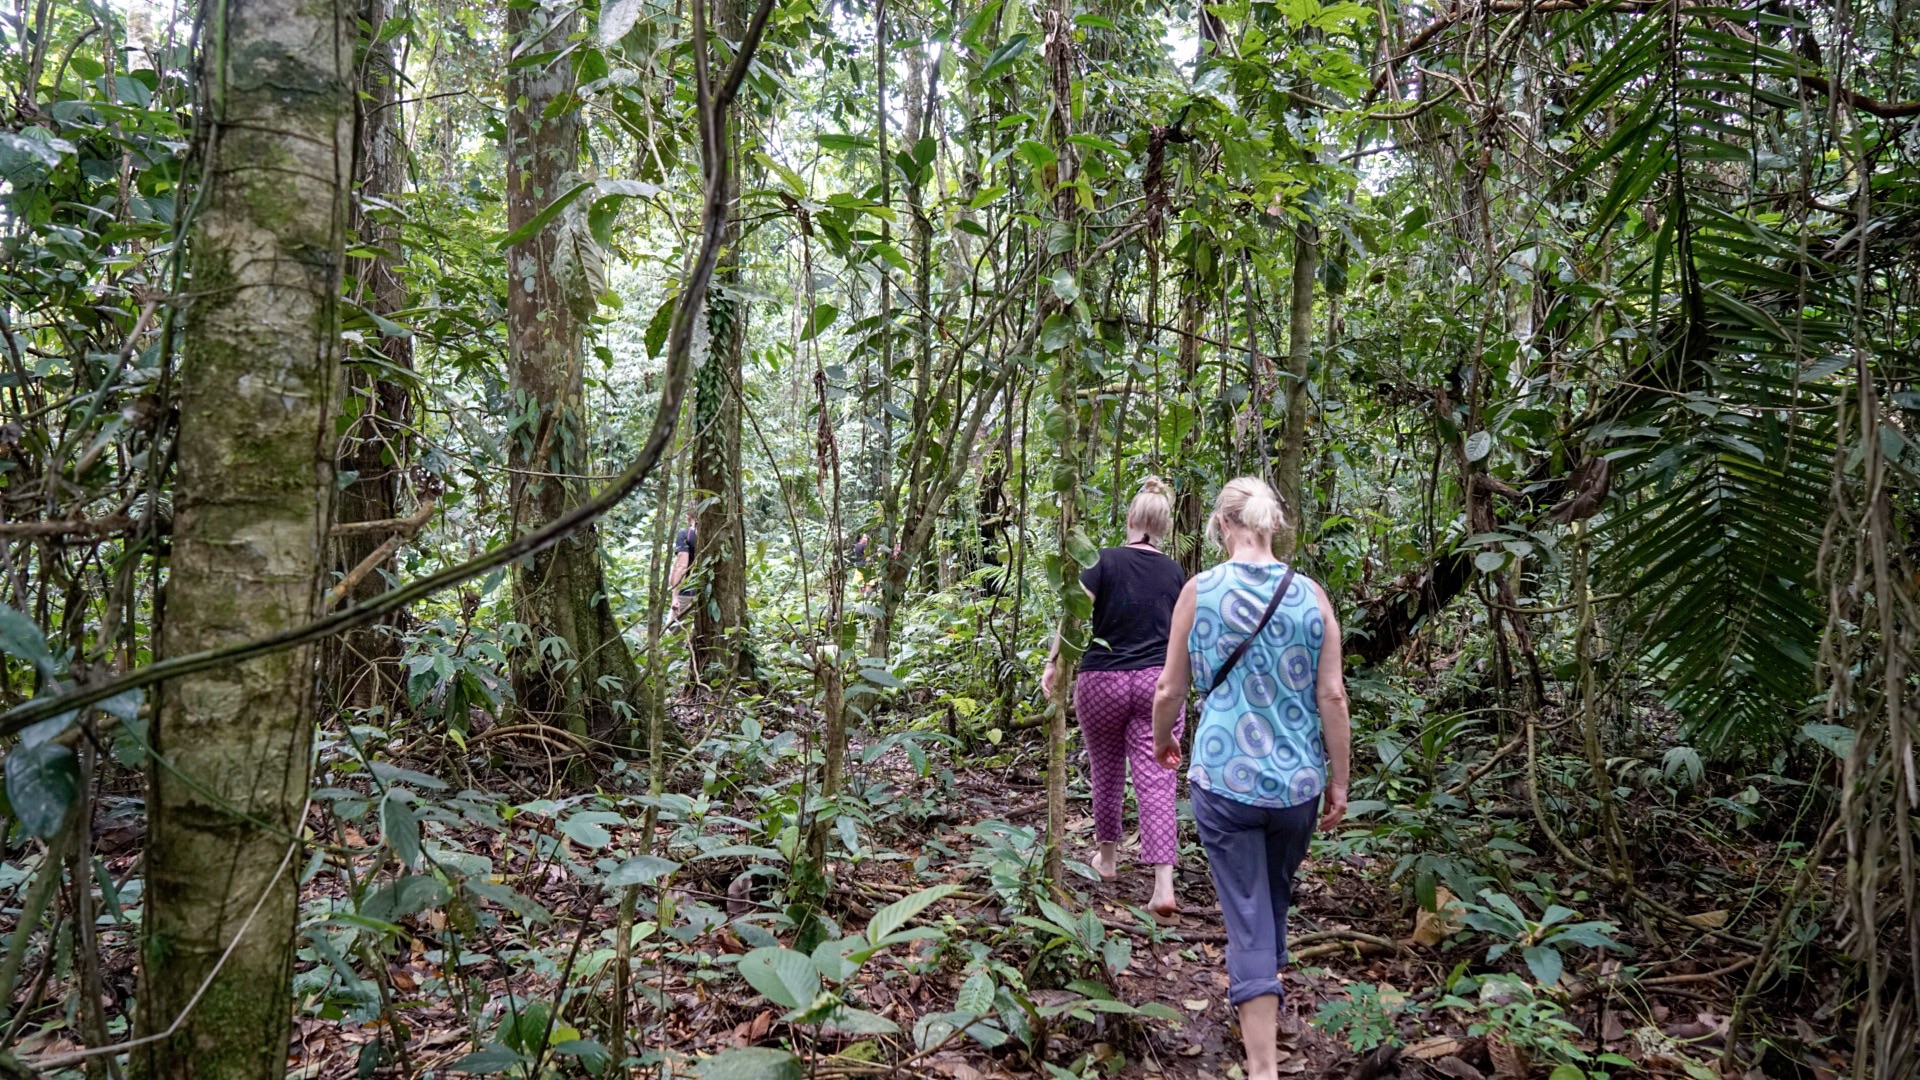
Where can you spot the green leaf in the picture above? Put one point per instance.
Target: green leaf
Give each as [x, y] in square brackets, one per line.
[1479, 445]
[404, 896]
[895, 915]
[1837, 739]
[641, 870]
[43, 782]
[401, 828]
[1567, 1072]
[1083, 552]
[659, 326]
[593, 1056]
[617, 18]
[976, 994]
[882, 677]
[1544, 962]
[852, 1021]
[785, 977]
[985, 196]
[752, 1063]
[821, 318]
[587, 828]
[837, 141]
[532, 226]
[1003, 57]
[1056, 333]
[1488, 561]
[394, 774]
[1064, 286]
[831, 960]
[22, 640]
[1035, 153]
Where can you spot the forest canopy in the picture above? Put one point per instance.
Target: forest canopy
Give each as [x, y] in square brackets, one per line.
[546, 537]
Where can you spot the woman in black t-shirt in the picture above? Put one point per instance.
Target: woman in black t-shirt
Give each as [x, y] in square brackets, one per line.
[684, 543]
[1134, 589]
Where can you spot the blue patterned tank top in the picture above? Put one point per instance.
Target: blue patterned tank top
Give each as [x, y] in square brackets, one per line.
[1258, 740]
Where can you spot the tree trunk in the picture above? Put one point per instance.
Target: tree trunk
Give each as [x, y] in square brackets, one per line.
[362, 667]
[1293, 448]
[251, 511]
[1071, 631]
[720, 611]
[560, 593]
[1189, 504]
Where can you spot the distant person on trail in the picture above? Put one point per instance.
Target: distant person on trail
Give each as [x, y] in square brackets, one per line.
[1133, 590]
[1270, 752]
[683, 544]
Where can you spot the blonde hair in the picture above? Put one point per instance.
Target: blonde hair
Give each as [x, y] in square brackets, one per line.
[1151, 512]
[1245, 502]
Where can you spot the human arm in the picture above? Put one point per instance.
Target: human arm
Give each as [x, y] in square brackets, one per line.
[1176, 677]
[1336, 729]
[681, 562]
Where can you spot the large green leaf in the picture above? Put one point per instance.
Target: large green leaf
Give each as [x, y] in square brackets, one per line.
[43, 782]
[787, 978]
[752, 1063]
[895, 915]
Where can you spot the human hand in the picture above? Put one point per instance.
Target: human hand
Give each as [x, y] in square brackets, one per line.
[1047, 678]
[1167, 754]
[1333, 809]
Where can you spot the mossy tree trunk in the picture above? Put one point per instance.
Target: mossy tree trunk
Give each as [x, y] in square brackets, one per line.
[720, 612]
[554, 276]
[1070, 431]
[251, 511]
[362, 665]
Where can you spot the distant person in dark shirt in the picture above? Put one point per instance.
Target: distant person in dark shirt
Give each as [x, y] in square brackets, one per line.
[1134, 589]
[860, 551]
[683, 544]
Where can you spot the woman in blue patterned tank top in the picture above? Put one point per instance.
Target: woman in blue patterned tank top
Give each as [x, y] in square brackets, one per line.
[1270, 750]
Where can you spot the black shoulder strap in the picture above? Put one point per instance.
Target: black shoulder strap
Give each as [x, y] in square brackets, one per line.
[1240, 650]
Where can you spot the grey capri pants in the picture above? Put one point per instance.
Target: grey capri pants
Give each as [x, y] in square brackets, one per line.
[1253, 852]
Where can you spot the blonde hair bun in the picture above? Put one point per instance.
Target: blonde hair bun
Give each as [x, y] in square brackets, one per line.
[1245, 502]
[1150, 515]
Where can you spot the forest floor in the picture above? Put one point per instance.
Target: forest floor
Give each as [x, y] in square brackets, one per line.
[1352, 925]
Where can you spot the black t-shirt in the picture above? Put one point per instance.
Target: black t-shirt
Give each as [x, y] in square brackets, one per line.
[1134, 591]
[683, 541]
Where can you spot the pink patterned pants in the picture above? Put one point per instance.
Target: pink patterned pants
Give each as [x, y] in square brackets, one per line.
[1116, 721]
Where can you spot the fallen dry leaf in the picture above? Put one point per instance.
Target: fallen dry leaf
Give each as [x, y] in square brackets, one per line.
[1709, 920]
[1509, 1061]
[1458, 1069]
[1430, 928]
[1438, 1046]
[1197, 1004]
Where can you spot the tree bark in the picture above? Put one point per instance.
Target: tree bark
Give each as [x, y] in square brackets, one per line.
[362, 664]
[1293, 448]
[553, 278]
[1189, 505]
[252, 504]
[720, 611]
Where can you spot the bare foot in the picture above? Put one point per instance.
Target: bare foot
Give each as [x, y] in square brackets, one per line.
[1163, 907]
[1103, 864]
